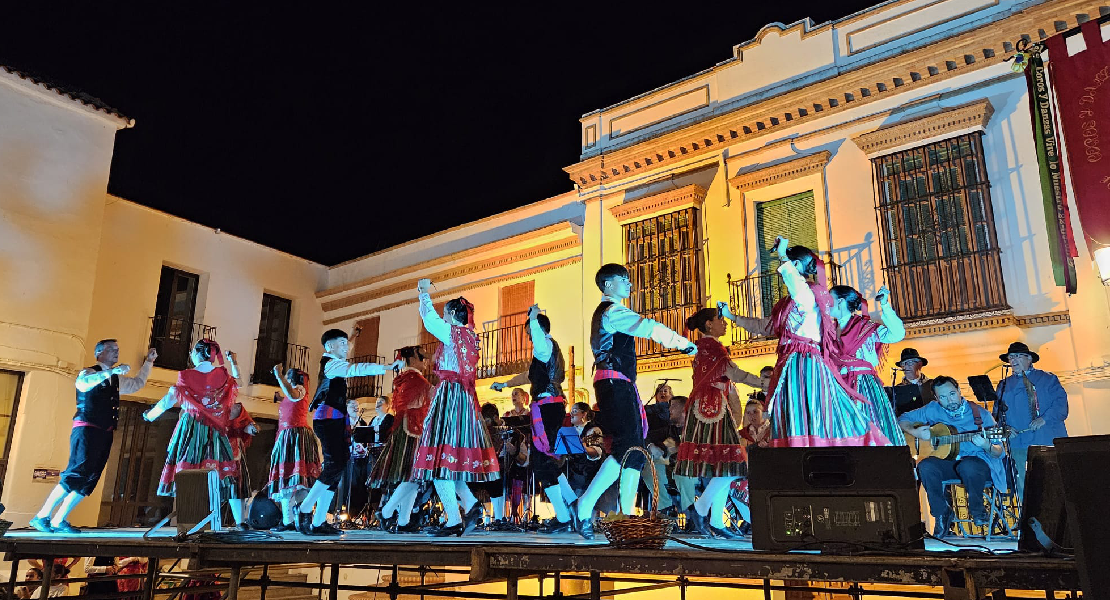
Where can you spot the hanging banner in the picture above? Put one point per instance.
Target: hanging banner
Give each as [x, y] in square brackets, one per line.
[1054, 194]
[1082, 86]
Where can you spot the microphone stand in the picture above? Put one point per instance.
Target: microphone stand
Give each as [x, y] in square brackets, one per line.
[1000, 410]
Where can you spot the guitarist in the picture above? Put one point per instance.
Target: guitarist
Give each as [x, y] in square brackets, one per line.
[977, 463]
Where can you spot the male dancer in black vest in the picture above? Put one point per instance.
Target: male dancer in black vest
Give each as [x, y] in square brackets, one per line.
[90, 441]
[549, 410]
[613, 333]
[330, 423]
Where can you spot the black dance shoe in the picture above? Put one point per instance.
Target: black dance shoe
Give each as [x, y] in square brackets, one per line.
[701, 524]
[412, 526]
[448, 531]
[472, 518]
[725, 533]
[284, 527]
[585, 528]
[303, 523]
[65, 527]
[324, 529]
[553, 526]
[42, 524]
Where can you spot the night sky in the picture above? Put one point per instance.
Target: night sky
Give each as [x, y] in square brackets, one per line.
[335, 131]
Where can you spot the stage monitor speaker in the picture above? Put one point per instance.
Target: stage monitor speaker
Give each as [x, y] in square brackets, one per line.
[1044, 513]
[806, 498]
[197, 500]
[1085, 469]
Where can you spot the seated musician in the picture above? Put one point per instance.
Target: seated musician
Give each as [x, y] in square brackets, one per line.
[977, 462]
[662, 443]
[382, 422]
[582, 467]
[1036, 405]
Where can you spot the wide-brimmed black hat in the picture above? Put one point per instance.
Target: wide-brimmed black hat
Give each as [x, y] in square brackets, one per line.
[908, 353]
[1019, 348]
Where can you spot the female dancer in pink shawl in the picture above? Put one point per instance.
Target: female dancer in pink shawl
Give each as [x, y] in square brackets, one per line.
[863, 345]
[206, 394]
[711, 445]
[810, 405]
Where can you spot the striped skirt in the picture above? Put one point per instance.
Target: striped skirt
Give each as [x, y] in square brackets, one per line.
[395, 464]
[809, 407]
[455, 444]
[711, 449]
[882, 412]
[294, 462]
[194, 445]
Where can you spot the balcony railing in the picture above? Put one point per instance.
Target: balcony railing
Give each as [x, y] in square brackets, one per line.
[755, 296]
[362, 387]
[270, 352]
[674, 318]
[945, 287]
[173, 338]
[506, 347]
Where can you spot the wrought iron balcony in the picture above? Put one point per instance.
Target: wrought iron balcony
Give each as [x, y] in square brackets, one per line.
[174, 337]
[506, 347]
[754, 296]
[269, 352]
[362, 387]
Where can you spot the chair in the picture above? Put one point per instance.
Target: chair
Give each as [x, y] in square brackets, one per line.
[1002, 510]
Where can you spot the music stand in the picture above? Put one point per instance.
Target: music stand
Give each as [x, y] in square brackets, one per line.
[905, 398]
[569, 442]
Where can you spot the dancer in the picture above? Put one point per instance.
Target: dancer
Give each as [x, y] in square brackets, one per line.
[711, 445]
[454, 447]
[90, 440]
[331, 424]
[295, 459]
[241, 430]
[199, 441]
[549, 410]
[613, 333]
[809, 403]
[863, 345]
[411, 395]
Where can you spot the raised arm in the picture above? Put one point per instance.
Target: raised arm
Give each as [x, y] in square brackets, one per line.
[797, 286]
[541, 343]
[339, 367]
[167, 402]
[233, 366]
[620, 318]
[432, 321]
[130, 385]
[738, 375]
[754, 325]
[518, 380]
[87, 379]
[293, 393]
[892, 330]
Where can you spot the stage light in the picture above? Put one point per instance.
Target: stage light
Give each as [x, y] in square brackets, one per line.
[1102, 259]
[342, 516]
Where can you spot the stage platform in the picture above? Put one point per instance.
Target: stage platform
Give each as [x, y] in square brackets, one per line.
[971, 564]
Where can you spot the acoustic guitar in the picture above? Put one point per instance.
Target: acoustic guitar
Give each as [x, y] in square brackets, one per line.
[944, 441]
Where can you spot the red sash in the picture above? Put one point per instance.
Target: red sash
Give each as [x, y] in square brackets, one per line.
[611, 374]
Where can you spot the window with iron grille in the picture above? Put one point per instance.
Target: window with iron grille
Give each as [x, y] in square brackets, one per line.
[664, 266]
[940, 252]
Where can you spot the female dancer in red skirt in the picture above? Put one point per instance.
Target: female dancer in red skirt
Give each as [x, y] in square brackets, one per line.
[711, 445]
[455, 447]
[206, 393]
[411, 395]
[809, 405]
[295, 459]
[863, 345]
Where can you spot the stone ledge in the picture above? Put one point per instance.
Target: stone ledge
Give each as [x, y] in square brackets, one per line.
[669, 201]
[786, 170]
[915, 132]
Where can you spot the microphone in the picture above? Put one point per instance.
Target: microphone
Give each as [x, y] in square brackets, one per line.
[778, 239]
[898, 369]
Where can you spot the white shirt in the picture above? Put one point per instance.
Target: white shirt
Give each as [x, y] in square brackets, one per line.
[618, 318]
[339, 367]
[441, 329]
[891, 331]
[87, 379]
[805, 319]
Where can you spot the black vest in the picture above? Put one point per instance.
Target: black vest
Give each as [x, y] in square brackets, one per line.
[99, 406]
[548, 377]
[613, 351]
[332, 392]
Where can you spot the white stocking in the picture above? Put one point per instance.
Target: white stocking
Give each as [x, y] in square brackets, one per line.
[68, 504]
[408, 499]
[52, 501]
[705, 501]
[555, 495]
[606, 475]
[312, 495]
[236, 505]
[465, 495]
[446, 491]
[287, 510]
[564, 486]
[323, 501]
[630, 482]
[395, 499]
[498, 505]
[717, 517]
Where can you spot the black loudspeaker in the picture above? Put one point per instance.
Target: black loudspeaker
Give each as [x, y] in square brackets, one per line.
[813, 497]
[1044, 514]
[1085, 469]
[264, 513]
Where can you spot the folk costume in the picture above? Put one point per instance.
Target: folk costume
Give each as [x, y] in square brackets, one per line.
[613, 332]
[549, 410]
[455, 447]
[199, 440]
[411, 396]
[863, 345]
[295, 459]
[810, 404]
[240, 440]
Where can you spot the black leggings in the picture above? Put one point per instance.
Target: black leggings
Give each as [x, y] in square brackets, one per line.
[620, 418]
[335, 446]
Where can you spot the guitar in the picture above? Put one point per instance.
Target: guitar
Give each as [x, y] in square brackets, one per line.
[944, 441]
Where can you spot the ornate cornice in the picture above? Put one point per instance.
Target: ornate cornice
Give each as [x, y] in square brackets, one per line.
[669, 201]
[974, 115]
[451, 292]
[936, 327]
[786, 170]
[986, 46]
[495, 262]
[494, 245]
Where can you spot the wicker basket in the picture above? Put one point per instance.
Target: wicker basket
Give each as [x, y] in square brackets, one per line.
[648, 531]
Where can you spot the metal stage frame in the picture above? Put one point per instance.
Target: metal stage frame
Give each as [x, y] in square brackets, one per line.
[600, 570]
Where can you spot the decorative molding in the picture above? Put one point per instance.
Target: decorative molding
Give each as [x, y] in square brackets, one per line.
[690, 195]
[564, 227]
[1085, 375]
[456, 272]
[1061, 317]
[958, 55]
[451, 292]
[915, 132]
[780, 172]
